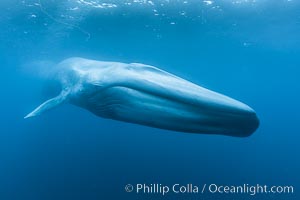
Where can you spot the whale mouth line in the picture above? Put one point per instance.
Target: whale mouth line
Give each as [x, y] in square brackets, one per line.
[202, 105]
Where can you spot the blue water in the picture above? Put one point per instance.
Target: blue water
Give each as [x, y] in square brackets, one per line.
[248, 50]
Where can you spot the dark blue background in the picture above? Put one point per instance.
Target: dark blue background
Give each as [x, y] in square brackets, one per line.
[247, 50]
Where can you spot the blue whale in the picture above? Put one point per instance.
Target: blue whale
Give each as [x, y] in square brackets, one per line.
[146, 95]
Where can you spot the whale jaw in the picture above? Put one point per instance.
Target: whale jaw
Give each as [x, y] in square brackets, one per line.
[166, 112]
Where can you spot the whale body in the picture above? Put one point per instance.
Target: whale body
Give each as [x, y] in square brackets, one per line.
[146, 95]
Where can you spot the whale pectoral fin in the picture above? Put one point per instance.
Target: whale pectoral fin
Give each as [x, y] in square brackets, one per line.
[49, 104]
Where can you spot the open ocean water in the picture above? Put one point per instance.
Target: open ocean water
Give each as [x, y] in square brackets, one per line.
[246, 49]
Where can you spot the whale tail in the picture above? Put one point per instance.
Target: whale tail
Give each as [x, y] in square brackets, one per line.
[49, 104]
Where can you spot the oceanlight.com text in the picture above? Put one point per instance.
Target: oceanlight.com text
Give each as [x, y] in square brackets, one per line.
[164, 189]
